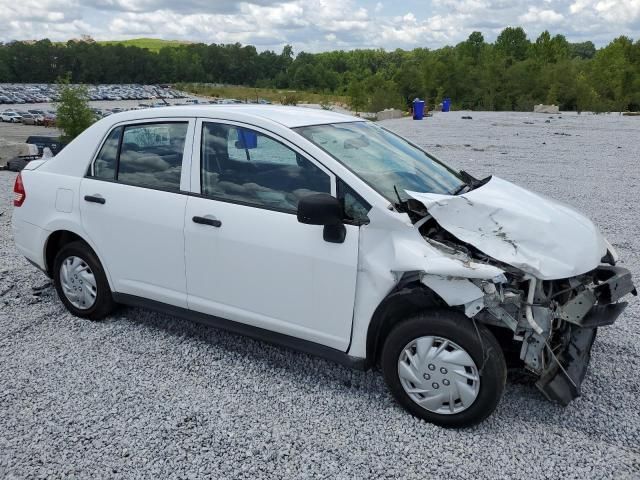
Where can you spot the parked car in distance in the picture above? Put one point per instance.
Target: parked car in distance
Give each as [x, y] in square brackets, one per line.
[12, 117]
[49, 119]
[38, 116]
[37, 93]
[28, 119]
[328, 234]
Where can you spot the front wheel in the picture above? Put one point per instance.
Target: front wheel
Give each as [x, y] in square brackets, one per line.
[444, 369]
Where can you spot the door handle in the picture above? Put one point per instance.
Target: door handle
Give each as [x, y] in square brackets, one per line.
[207, 221]
[95, 199]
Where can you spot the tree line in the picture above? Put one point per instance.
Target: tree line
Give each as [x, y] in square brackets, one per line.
[512, 73]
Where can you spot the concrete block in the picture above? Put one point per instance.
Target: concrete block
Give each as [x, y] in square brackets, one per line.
[389, 113]
[546, 108]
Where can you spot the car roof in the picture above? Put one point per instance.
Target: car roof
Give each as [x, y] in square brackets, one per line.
[288, 116]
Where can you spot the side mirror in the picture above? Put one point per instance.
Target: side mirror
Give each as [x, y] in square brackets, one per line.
[323, 209]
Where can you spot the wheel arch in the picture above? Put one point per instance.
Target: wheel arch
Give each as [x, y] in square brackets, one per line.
[409, 296]
[61, 237]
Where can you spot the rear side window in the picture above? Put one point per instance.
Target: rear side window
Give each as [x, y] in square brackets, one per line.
[105, 164]
[147, 155]
[151, 155]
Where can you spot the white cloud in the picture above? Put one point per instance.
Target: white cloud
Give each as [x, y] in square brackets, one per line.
[315, 25]
[623, 11]
[38, 11]
[409, 17]
[467, 6]
[540, 16]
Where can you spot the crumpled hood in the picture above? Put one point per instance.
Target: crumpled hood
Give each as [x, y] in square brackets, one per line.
[540, 236]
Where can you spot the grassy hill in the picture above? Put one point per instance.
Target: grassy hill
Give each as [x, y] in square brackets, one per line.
[240, 92]
[152, 44]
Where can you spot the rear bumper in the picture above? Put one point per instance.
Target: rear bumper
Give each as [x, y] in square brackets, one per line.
[29, 240]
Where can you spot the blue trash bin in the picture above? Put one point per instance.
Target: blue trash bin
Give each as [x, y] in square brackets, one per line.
[418, 109]
[446, 104]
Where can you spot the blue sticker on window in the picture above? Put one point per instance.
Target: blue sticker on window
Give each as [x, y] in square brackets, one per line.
[247, 139]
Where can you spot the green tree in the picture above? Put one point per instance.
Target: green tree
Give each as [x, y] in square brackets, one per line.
[73, 113]
[584, 50]
[357, 96]
[614, 72]
[513, 43]
[409, 83]
[550, 50]
[586, 96]
[511, 73]
[474, 46]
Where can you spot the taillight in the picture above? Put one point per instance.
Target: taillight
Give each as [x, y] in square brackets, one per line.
[19, 193]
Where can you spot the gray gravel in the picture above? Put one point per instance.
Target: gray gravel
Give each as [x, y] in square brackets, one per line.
[147, 395]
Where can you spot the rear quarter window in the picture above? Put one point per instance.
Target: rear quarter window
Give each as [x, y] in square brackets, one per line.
[105, 165]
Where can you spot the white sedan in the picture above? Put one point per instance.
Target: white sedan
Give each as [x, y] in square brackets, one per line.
[11, 117]
[327, 234]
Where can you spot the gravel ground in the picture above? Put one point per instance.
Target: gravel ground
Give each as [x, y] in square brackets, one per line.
[17, 132]
[147, 395]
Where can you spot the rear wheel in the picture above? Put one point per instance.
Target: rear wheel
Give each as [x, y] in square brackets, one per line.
[81, 282]
[443, 369]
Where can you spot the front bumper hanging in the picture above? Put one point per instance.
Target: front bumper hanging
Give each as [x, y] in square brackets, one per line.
[593, 308]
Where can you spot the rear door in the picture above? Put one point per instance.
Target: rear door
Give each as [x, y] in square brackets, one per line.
[133, 203]
[247, 257]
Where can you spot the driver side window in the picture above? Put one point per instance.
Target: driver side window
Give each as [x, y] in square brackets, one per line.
[248, 145]
[245, 166]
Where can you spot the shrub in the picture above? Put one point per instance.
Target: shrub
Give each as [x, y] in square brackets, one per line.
[73, 113]
[290, 99]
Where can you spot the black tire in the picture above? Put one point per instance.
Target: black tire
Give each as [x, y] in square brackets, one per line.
[104, 303]
[480, 344]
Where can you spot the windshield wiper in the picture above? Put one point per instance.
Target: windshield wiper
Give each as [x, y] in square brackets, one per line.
[460, 189]
[470, 182]
[401, 206]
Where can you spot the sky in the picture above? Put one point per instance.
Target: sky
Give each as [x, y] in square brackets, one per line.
[317, 25]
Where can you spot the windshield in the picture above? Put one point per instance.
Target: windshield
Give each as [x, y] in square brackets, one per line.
[384, 160]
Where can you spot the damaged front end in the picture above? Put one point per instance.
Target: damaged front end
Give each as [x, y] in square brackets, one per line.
[558, 280]
[557, 321]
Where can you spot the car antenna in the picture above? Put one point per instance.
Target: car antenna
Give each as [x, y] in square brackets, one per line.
[155, 89]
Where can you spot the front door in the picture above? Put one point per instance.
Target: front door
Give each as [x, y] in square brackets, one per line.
[247, 257]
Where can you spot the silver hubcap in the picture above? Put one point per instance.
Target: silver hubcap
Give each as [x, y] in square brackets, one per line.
[438, 375]
[78, 283]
